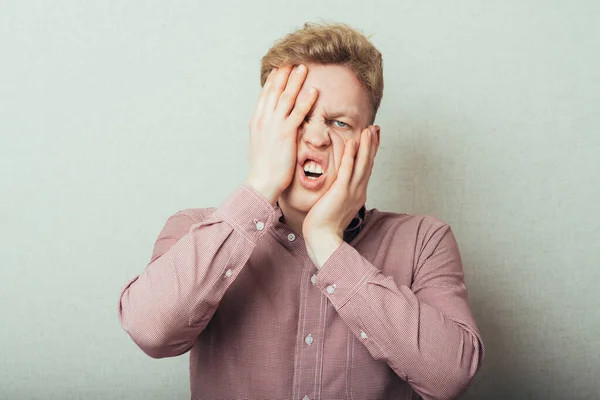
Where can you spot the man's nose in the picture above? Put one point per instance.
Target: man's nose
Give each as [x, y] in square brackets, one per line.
[316, 134]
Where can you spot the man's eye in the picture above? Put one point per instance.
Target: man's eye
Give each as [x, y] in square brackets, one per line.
[340, 124]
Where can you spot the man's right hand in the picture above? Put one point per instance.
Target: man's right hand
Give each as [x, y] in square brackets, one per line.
[274, 128]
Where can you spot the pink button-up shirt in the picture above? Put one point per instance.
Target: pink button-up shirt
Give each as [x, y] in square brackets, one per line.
[386, 317]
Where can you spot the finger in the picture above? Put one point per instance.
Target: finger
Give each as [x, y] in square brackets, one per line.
[374, 148]
[276, 88]
[374, 144]
[292, 88]
[363, 158]
[304, 103]
[260, 104]
[344, 174]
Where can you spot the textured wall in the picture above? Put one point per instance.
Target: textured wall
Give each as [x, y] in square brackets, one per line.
[114, 115]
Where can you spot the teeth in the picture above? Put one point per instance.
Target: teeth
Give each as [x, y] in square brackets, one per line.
[311, 166]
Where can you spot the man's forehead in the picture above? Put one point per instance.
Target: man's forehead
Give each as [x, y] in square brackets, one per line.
[340, 92]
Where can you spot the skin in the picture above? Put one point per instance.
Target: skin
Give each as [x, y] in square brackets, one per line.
[331, 120]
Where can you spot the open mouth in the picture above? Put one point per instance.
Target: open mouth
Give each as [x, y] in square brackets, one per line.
[312, 175]
[312, 169]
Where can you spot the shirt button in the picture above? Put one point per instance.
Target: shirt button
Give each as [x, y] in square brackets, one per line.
[291, 237]
[306, 398]
[313, 279]
[330, 289]
[260, 225]
[309, 339]
[228, 273]
[363, 334]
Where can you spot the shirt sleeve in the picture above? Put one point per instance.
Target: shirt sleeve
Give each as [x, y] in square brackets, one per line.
[169, 304]
[425, 333]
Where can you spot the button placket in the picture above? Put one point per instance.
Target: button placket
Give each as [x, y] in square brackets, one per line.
[312, 328]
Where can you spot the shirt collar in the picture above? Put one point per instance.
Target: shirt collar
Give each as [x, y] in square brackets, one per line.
[355, 225]
[353, 228]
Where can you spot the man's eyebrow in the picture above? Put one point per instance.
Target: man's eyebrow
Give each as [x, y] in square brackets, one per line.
[341, 113]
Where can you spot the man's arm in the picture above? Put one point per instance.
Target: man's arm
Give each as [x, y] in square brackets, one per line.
[165, 308]
[425, 333]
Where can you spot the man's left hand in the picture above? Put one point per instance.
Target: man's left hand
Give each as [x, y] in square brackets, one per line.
[324, 225]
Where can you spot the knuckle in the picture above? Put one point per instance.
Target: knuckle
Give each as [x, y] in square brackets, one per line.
[296, 117]
[302, 103]
[278, 85]
[300, 109]
[257, 124]
[271, 90]
[252, 125]
[286, 99]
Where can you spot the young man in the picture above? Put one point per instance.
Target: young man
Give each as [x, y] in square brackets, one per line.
[291, 289]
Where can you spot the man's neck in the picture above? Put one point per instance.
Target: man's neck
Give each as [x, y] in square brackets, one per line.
[292, 217]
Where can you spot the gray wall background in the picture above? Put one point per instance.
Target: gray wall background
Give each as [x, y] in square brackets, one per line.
[115, 115]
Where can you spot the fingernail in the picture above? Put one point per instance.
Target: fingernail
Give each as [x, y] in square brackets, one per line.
[300, 68]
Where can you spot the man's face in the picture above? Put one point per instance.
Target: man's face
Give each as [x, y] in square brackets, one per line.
[341, 112]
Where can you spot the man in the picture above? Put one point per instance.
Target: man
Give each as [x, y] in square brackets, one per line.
[291, 289]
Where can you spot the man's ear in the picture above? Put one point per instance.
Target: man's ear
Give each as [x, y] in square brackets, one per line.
[378, 135]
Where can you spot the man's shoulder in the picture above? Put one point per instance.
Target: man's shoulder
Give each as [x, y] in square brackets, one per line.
[190, 216]
[404, 224]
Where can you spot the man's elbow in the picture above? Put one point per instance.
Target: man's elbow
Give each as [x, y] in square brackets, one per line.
[453, 380]
[459, 382]
[460, 378]
[447, 387]
[157, 348]
[158, 345]
[152, 339]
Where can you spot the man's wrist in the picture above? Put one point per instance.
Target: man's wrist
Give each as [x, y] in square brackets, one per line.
[321, 247]
[270, 194]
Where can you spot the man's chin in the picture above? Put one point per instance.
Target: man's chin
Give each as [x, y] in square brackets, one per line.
[301, 199]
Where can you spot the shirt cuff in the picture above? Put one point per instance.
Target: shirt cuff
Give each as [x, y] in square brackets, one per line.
[248, 212]
[343, 274]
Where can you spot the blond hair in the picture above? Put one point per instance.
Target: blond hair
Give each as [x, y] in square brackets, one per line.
[335, 43]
